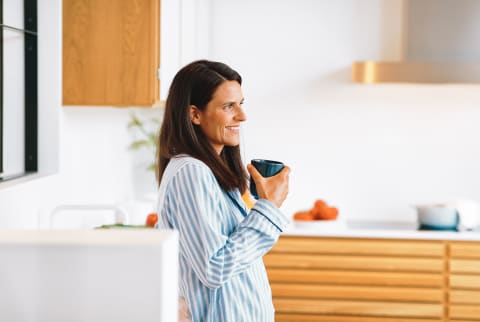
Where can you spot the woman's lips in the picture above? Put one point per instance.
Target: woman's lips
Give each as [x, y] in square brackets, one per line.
[235, 129]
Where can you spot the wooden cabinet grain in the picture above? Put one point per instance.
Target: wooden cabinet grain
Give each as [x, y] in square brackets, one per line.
[464, 281]
[359, 279]
[111, 52]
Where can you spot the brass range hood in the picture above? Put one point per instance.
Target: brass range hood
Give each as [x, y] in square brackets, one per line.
[440, 45]
[415, 72]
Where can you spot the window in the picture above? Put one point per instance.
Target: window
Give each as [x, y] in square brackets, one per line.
[18, 88]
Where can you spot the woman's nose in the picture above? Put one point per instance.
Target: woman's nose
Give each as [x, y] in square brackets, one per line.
[240, 115]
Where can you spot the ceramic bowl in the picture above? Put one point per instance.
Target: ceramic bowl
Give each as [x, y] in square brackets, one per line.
[437, 217]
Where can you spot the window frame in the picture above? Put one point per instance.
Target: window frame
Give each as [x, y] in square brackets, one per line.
[30, 89]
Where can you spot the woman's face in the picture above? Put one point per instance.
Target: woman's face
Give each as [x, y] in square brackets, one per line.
[220, 121]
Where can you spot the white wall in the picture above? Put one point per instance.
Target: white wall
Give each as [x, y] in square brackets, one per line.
[371, 150]
[96, 162]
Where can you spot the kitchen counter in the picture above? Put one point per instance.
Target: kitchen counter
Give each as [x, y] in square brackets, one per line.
[375, 229]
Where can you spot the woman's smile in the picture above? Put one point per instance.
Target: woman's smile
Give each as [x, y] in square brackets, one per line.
[235, 129]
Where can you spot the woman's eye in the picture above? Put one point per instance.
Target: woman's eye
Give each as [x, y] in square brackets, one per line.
[231, 106]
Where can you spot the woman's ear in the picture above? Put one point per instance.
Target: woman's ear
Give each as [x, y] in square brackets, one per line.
[195, 114]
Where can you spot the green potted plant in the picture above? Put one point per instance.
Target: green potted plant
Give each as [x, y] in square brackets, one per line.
[144, 126]
[147, 134]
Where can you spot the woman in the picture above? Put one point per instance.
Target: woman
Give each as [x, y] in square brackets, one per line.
[202, 178]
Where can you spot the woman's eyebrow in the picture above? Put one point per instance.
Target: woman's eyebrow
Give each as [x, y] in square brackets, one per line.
[233, 102]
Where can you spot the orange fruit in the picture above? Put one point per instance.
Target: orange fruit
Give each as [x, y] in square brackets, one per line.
[319, 203]
[151, 220]
[318, 211]
[303, 215]
[329, 213]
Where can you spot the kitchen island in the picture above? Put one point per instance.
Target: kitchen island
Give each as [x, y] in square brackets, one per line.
[119, 275]
[375, 273]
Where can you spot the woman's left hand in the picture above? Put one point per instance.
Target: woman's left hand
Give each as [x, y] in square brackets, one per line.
[275, 188]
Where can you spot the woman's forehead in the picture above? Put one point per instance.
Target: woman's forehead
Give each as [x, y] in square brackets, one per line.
[229, 91]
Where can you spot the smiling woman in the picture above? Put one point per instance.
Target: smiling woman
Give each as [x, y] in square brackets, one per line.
[18, 88]
[202, 178]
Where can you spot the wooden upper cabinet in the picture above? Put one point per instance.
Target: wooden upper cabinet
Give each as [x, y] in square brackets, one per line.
[111, 52]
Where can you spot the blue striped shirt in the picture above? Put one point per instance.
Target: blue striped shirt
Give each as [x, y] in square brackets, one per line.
[222, 274]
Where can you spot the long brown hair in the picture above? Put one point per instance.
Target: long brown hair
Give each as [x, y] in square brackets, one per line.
[195, 84]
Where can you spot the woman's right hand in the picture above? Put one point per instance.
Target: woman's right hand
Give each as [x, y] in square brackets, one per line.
[275, 188]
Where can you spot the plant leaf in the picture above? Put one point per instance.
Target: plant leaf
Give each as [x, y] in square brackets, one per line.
[138, 144]
[134, 121]
[157, 120]
[152, 137]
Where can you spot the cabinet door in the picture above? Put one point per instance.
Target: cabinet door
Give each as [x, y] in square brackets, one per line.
[111, 52]
[327, 279]
[464, 281]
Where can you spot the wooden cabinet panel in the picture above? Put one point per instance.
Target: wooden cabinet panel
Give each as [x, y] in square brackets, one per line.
[361, 308]
[471, 266]
[465, 281]
[111, 52]
[355, 292]
[465, 250]
[285, 317]
[346, 280]
[333, 277]
[383, 263]
[465, 296]
[330, 279]
[307, 245]
[461, 311]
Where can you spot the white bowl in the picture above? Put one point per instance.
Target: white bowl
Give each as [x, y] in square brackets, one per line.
[437, 217]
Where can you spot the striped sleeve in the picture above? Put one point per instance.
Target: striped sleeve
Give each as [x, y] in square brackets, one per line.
[194, 199]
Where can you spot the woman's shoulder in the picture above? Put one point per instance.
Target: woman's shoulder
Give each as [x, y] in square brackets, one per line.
[187, 170]
[181, 160]
[184, 162]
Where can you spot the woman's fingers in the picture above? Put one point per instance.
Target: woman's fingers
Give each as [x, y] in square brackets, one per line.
[286, 171]
[275, 188]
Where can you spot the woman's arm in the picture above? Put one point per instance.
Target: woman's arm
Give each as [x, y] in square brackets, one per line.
[193, 200]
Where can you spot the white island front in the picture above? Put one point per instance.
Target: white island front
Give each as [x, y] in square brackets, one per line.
[89, 275]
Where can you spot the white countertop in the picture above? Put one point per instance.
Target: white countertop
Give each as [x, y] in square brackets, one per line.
[375, 229]
[84, 237]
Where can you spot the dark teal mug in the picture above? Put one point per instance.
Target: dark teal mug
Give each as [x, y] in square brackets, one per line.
[267, 168]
